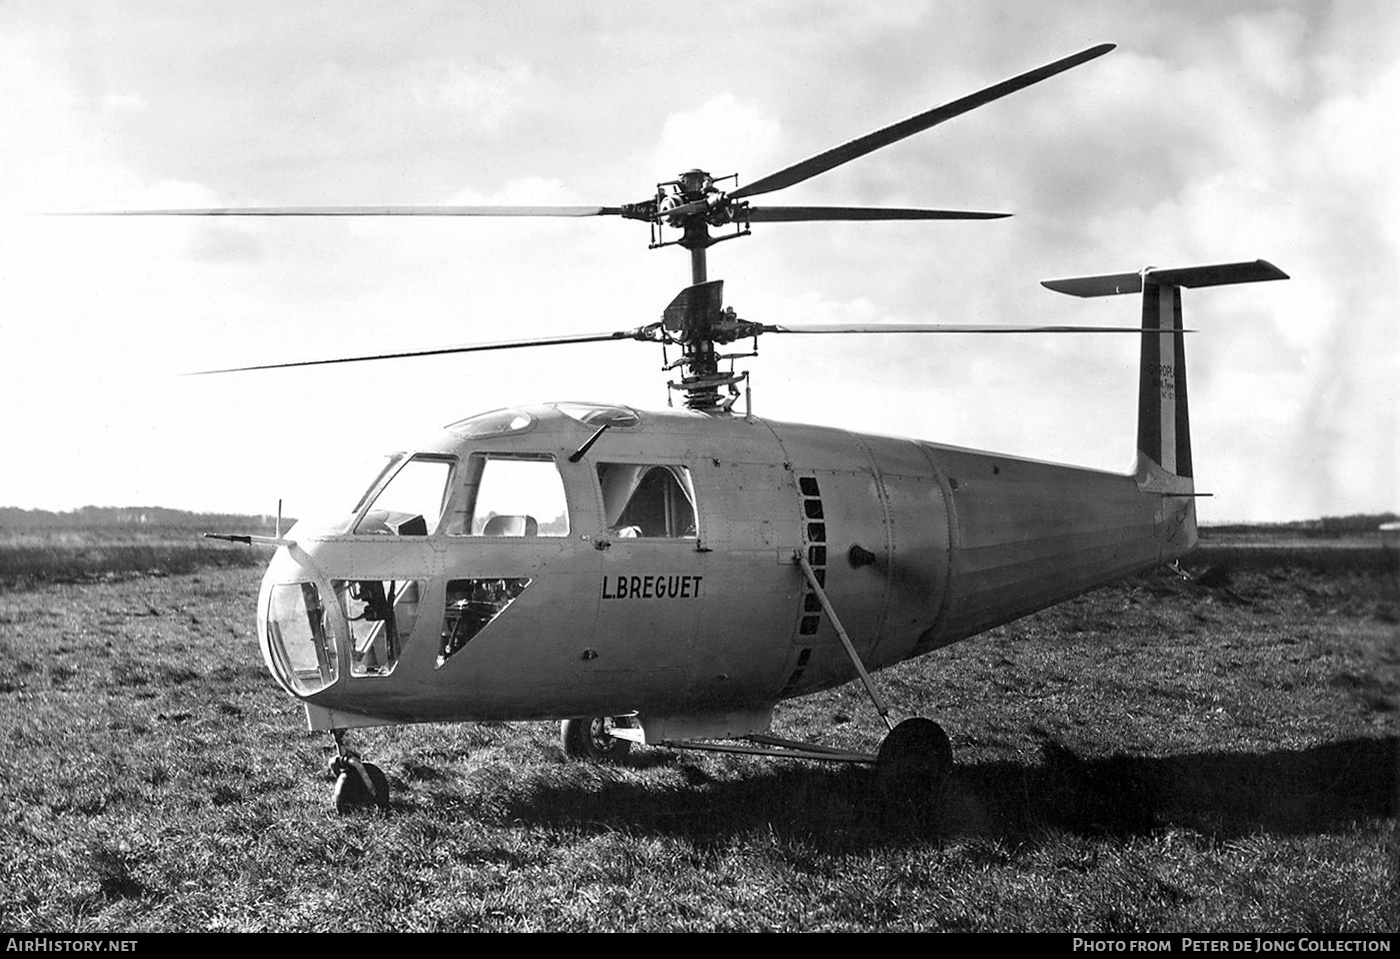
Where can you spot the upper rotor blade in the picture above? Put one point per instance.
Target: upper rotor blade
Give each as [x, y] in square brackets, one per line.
[916, 124]
[798, 214]
[947, 328]
[362, 211]
[465, 348]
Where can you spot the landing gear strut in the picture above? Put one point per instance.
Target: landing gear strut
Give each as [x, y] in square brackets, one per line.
[916, 757]
[358, 784]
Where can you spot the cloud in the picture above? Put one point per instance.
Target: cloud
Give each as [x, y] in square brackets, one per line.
[718, 136]
[124, 103]
[484, 96]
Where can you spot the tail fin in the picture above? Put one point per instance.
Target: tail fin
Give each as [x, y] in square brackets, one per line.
[1164, 430]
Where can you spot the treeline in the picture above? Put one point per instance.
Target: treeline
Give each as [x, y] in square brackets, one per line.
[39, 546]
[133, 517]
[1326, 526]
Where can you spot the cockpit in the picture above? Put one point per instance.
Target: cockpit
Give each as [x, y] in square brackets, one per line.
[500, 477]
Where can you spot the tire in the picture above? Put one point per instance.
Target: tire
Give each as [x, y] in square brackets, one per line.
[351, 793]
[588, 738]
[914, 762]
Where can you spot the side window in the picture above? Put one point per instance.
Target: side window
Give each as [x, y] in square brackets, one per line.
[648, 500]
[511, 496]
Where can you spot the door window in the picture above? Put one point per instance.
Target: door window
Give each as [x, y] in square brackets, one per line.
[648, 500]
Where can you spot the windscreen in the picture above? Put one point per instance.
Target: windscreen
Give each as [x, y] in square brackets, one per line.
[411, 503]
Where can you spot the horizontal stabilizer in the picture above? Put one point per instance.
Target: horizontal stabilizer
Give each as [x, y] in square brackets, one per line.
[1218, 274]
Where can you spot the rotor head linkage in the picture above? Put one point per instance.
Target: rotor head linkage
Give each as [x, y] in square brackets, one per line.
[697, 320]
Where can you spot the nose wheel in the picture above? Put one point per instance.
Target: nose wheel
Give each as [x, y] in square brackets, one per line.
[591, 738]
[358, 784]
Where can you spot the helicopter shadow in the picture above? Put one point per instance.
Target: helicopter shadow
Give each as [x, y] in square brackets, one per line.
[1225, 795]
[1222, 795]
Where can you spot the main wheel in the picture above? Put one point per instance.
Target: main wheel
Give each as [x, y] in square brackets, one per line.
[591, 738]
[352, 792]
[914, 761]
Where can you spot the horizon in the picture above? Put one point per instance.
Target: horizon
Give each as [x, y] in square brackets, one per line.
[1382, 516]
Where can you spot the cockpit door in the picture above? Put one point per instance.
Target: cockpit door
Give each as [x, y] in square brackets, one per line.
[653, 581]
[518, 571]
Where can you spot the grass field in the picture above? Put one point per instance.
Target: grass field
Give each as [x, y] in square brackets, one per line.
[30, 556]
[1155, 756]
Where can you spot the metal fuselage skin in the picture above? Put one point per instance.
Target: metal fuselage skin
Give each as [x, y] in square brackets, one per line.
[919, 545]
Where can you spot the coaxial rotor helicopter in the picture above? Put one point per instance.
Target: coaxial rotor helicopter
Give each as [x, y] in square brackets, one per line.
[666, 578]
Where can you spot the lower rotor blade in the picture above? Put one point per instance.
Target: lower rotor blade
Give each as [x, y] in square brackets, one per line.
[362, 211]
[798, 214]
[947, 328]
[466, 348]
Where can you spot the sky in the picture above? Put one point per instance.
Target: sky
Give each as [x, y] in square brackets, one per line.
[1215, 132]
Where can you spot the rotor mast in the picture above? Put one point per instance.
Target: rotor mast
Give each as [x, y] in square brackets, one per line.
[702, 379]
[696, 318]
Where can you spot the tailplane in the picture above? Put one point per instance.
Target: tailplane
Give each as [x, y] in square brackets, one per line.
[1164, 430]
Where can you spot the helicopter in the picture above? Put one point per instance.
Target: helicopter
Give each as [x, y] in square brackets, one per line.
[666, 578]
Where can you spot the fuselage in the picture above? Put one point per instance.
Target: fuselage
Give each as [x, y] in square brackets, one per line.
[498, 572]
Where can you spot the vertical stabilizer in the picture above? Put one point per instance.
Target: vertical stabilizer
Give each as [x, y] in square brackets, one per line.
[1164, 430]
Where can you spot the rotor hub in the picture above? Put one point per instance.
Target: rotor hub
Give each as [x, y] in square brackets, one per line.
[695, 183]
